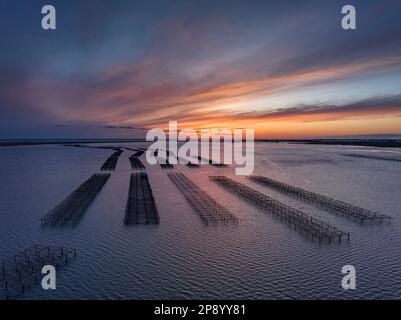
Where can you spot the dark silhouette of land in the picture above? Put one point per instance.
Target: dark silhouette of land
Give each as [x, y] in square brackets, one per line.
[11, 143]
[384, 143]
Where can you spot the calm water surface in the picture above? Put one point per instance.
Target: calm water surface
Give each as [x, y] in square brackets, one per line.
[260, 258]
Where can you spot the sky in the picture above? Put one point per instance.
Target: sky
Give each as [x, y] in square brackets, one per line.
[114, 69]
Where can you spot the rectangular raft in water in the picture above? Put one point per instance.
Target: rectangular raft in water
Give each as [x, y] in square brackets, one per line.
[331, 205]
[71, 209]
[310, 226]
[209, 210]
[136, 164]
[23, 271]
[111, 162]
[141, 206]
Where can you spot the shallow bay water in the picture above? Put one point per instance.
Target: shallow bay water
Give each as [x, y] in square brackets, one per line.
[260, 258]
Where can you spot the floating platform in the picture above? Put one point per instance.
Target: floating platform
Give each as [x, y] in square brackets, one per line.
[136, 164]
[311, 227]
[71, 209]
[329, 204]
[23, 271]
[209, 210]
[111, 162]
[141, 206]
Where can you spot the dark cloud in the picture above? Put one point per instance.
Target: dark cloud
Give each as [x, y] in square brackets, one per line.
[128, 65]
[122, 127]
[372, 107]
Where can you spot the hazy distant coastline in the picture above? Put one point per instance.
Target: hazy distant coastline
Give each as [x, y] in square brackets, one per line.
[384, 143]
[12, 143]
[367, 142]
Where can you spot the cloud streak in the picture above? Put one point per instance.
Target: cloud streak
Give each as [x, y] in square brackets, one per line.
[202, 67]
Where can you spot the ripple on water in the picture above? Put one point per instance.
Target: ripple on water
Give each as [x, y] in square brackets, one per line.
[181, 258]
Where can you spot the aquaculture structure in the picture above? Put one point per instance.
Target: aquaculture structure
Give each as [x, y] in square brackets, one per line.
[311, 227]
[329, 204]
[22, 271]
[211, 162]
[71, 209]
[136, 164]
[141, 206]
[192, 165]
[111, 162]
[166, 165]
[138, 153]
[209, 210]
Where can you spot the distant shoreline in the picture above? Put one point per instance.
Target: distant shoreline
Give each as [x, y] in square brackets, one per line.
[14, 143]
[383, 143]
